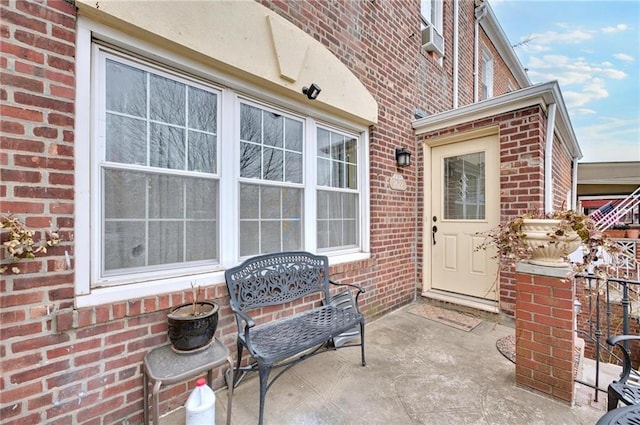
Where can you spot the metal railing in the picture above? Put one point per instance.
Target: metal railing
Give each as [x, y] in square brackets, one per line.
[608, 311]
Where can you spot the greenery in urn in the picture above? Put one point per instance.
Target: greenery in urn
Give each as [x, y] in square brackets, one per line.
[21, 242]
[509, 238]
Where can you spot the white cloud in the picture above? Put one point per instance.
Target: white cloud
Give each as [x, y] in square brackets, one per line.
[624, 57]
[609, 139]
[569, 37]
[582, 111]
[593, 90]
[616, 28]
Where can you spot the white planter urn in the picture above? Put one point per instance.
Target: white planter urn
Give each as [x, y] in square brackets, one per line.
[545, 250]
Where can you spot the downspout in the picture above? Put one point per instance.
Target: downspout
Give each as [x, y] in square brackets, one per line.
[574, 184]
[480, 12]
[548, 159]
[455, 53]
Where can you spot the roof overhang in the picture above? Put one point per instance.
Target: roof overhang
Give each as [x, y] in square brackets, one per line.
[544, 95]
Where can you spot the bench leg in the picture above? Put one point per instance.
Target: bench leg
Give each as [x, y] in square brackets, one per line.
[264, 384]
[612, 399]
[364, 363]
[236, 374]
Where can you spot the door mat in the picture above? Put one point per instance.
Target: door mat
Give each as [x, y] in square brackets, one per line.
[446, 317]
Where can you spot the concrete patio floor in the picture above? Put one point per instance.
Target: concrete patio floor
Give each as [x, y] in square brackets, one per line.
[418, 372]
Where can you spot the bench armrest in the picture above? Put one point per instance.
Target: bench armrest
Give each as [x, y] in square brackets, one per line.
[626, 366]
[356, 287]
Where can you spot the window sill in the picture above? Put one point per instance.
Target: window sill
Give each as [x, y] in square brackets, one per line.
[133, 291]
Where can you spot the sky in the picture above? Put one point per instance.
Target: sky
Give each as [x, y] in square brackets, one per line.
[592, 48]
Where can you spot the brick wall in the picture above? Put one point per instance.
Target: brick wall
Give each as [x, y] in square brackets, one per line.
[561, 176]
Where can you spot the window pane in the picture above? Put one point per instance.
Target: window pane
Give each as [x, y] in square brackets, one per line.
[124, 194]
[201, 240]
[337, 174]
[202, 199]
[270, 236]
[351, 149]
[273, 129]
[337, 147]
[124, 244]
[293, 167]
[292, 203]
[324, 172]
[166, 196]
[323, 143]
[249, 201]
[167, 147]
[323, 234]
[464, 187]
[203, 107]
[291, 235]
[270, 202]
[352, 177]
[126, 140]
[250, 124]
[249, 238]
[166, 242]
[293, 135]
[202, 152]
[167, 100]
[126, 89]
[323, 204]
[250, 160]
[273, 164]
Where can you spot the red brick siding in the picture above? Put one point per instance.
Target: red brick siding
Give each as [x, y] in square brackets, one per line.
[561, 176]
[544, 335]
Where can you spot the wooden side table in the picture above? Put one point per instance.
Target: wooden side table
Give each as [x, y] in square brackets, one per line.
[163, 366]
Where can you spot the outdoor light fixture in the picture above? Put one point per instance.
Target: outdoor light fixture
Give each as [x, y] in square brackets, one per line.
[403, 157]
[312, 92]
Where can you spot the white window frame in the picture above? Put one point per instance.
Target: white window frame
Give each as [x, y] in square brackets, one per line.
[487, 76]
[232, 90]
[431, 13]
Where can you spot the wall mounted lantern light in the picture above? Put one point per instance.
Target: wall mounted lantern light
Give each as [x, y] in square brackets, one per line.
[312, 91]
[403, 157]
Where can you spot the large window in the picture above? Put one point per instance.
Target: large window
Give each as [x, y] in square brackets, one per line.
[184, 177]
[338, 190]
[271, 155]
[157, 171]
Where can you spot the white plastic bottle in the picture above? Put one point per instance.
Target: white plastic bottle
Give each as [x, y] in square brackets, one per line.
[200, 407]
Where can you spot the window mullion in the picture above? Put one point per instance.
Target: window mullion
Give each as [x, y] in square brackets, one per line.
[309, 218]
[229, 161]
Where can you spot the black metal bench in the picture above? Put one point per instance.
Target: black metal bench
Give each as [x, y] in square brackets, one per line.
[282, 278]
[622, 390]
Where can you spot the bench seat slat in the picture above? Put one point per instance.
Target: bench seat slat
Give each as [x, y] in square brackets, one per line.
[283, 338]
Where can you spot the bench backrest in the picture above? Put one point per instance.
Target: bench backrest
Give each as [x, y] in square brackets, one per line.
[274, 279]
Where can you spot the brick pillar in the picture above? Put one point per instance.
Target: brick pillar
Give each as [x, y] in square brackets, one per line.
[545, 343]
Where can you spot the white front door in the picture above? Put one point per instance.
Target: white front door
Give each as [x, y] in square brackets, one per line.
[465, 186]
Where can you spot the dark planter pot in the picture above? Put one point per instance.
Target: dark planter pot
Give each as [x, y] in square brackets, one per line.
[188, 332]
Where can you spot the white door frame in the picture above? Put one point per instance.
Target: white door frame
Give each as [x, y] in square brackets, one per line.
[427, 289]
